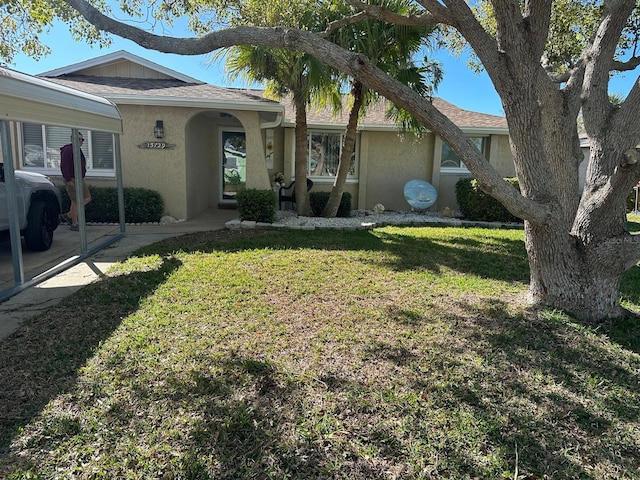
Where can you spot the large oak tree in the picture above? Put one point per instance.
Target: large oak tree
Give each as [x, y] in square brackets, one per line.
[549, 61]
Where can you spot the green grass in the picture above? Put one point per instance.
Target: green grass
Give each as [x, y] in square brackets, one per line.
[393, 353]
[633, 222]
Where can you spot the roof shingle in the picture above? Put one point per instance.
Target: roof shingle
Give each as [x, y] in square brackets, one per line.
[107, 86]
[177, 89]
[376, 115]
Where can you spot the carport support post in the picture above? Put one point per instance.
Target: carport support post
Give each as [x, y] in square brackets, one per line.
[77, 169]
[120, 182]
[12, 203]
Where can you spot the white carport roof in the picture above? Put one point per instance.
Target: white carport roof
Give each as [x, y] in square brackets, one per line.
[25, 98]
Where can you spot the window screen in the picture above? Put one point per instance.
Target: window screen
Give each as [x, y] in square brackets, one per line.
[324, 155]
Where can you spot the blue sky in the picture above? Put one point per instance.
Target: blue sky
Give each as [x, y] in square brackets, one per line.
[459, 86]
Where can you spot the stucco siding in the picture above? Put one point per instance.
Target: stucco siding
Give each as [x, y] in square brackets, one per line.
[161, 170]
[203, 175]
[388, 161]
[447, 190]
[257, 176]
[501, 157]
[278, 153]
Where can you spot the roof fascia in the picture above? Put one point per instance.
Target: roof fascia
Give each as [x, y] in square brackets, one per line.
[193, 102]
[480, 131]
[119, 55]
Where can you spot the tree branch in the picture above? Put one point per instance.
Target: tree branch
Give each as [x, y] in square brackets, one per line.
[343, 22]
[537, 18]
[436, 14]
[559, 77]
[355, 65]
[626, 120]
[627, 66]
[599, 59]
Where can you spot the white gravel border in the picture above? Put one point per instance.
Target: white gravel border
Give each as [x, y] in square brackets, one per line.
[364, 220]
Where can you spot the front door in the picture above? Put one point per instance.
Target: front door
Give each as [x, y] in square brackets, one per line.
[234, 163]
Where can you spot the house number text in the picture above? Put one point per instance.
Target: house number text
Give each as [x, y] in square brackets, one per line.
[156, 145]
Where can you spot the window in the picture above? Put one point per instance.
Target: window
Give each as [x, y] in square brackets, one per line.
[324, 155]
[450, 159]
[42, 143]
[101, 157]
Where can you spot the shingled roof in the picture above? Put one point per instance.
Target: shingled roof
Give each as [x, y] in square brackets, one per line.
[376, 116]
[169, 90]
[159, 85]
[173, 91]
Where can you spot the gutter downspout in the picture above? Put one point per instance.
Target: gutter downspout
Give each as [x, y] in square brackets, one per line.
[275, 123]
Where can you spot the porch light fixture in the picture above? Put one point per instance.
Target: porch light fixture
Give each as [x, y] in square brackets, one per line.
[158, 130]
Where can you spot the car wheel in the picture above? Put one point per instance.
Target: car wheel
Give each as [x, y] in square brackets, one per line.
[40, 225]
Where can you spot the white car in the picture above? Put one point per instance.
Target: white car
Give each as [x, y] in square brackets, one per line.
[39, 206]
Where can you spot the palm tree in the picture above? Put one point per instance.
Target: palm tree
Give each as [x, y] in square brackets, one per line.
[286, 72]
[393, 46]
[309, 81]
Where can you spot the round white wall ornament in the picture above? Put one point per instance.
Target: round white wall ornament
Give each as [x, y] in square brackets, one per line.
[420, 194]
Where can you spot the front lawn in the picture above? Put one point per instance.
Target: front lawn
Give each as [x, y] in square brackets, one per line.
[401, 353]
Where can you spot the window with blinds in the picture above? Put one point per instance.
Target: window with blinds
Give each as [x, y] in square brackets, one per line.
[42, 143]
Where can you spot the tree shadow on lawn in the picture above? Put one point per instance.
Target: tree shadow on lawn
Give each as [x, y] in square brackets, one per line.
[504, 260]
[560, 398]
[40, 360]
[552, 390]
[458, 407]
[274, 429]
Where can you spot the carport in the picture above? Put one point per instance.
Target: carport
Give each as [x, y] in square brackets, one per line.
[24, 98]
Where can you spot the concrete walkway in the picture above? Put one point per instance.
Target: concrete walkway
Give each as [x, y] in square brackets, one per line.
[28, 303]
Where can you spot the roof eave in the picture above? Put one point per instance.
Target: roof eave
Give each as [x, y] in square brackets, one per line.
[193, 102]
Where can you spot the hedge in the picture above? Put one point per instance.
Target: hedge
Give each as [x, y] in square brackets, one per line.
[257, 205]
[141, 205]
[478, 206]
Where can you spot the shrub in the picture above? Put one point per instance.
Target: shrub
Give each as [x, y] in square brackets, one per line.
[318, 200]
[257, 205]
[141, 205]
[477, 205]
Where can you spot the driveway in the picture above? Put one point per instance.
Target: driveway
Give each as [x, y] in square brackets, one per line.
[66, 244]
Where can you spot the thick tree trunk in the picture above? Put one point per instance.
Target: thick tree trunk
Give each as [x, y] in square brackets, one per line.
[566, 275]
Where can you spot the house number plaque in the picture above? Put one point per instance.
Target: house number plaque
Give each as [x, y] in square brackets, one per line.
[157, 145]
